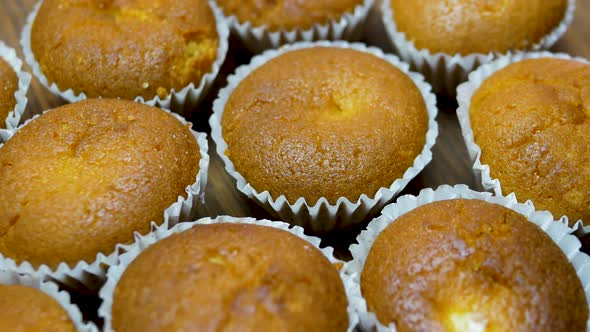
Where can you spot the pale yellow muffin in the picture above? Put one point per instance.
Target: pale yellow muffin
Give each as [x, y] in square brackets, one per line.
[531, 121]
[8, 86]
[83, 177]
[469, 265]
[287, 14]
[230, 277]
[324, 122]
[25, 309]
[124, 48]
[475, 26]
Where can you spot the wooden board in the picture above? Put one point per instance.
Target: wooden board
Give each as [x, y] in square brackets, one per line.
[450, 164]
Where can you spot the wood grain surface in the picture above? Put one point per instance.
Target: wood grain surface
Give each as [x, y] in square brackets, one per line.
[450, 164]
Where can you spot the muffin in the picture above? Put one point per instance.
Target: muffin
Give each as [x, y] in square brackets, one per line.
[8, 87]
[462, 264]
[28, 309]
[289, 14]
[124, 49]
[83, 177]
[324, 122]
[530, 121]
[242, 277]
[445, 40]
[269, 24]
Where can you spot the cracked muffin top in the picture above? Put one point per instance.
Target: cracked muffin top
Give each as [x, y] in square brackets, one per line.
[8, 86]
[230, 277]
[83, 177]
[28, 309]
[531, 121]
[324, 122]
[475, 26]
[469, 265]
[124, 48]
[287, 14]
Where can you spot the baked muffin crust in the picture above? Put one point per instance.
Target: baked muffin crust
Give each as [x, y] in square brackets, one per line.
[454, 264]
[230, 277]
[474, 26]
[324, 122]
[83, 177]
[287, 14]
[8, 86]
[27, 309]
[531, 121]
[124, 48]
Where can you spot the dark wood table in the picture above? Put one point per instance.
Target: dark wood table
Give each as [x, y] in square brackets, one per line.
[450, 164]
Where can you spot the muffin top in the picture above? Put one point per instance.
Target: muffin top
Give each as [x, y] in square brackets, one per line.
[324, 122]
[124, 48]
[531, 120]
[241, 277]
[475, 26]
[288, 14]
[469, 265]
[26, 309]
[8, 86]
[83, 177]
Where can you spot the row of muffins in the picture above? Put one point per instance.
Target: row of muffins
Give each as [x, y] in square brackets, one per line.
[447, 260]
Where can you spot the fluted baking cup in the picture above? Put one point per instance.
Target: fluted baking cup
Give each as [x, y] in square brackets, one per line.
[9, 55]
[51, 289]
[142, 242]
[323, 216]
[559, 232]
[179, 101]
[91, 274]
[446, 71]
[259, 38]
[464, 94]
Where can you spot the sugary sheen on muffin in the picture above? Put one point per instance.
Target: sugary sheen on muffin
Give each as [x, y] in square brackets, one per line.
[469, 265]
[83, 177]
[230, 277]
[125, 48]
[8, 86]
[531, 121]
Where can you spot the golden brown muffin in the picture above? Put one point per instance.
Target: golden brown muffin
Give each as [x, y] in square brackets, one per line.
[8, 86]
[287, 14]
[531, 121]
[124, 48]
[83, 177]
[324, 122]
[26, 309]
[230, 277]
[454, 264]
[475, 26]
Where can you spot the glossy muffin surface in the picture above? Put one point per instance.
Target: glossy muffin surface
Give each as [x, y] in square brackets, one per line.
[475, 26]
[531, 120]
[124, 48]
[230, 277]
[288, 14]
[83, 177]
[8, 86]
[25, 309]
[469, 265]
[324, 122]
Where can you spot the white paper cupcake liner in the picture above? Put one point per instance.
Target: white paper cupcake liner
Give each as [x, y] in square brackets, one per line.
[9, 55]
[464, 94]
[323, 216]
[51, 289]
[445, 71]
[142, 242]
[259, 38]
[557, 230]
[91, 275]
[179, 101]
